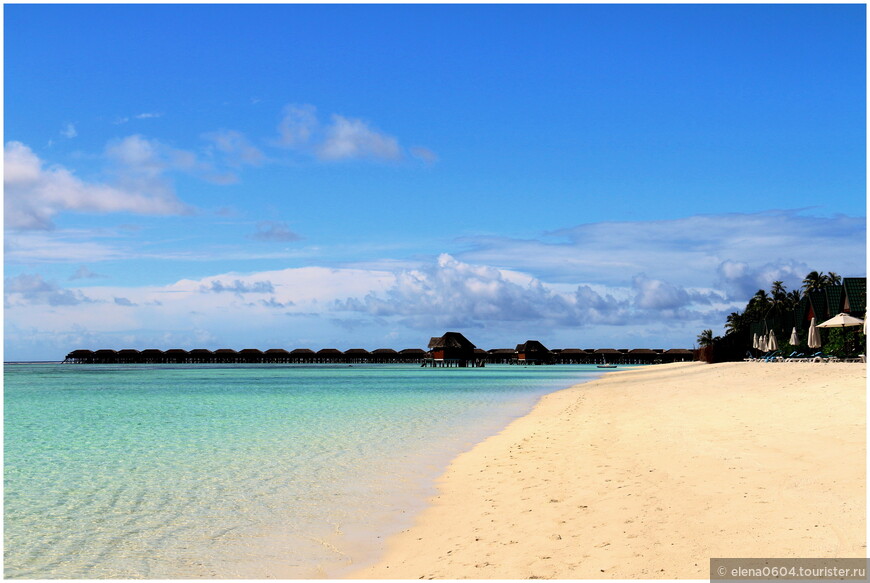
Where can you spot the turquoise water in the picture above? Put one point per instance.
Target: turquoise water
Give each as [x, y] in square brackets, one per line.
[137, 471]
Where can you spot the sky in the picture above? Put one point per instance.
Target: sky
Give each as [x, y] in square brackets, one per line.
[350, 176]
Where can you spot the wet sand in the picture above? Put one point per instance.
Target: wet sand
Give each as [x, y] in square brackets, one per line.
[647, 473]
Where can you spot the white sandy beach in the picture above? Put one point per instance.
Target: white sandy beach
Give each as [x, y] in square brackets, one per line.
[647, 473]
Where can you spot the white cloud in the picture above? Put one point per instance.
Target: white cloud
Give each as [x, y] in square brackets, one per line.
[686, 251]
[69, 131]
[35, 194]
[343, 138]
[32, 289]
[235, 148]
[84, 273]
[274, 231]
[353, 138]
[297, 125]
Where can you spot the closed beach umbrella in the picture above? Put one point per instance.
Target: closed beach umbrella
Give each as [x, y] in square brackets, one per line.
[755, 343]
[814, 340]
[841, 321]
[771, 343]
[794, 337]
[762, 343]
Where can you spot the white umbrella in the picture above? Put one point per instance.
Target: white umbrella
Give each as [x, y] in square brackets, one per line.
[841, 321]
[813, 338]
[755, 341]
[794, 337]
[772, 343]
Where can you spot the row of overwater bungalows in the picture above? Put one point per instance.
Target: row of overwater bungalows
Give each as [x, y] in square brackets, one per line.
[530, 352]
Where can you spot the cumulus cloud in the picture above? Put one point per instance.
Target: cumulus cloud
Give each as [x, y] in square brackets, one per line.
[238, 287]
[686, 251]
[35, 194]
[454, 293]
[69, 131]
[424, 154]
[235, 148]
[740, 280]
[354, 138]
[342, 138]
[29, 288]
[297, 125]
[84, 273]
[274, 231]
[124, 302]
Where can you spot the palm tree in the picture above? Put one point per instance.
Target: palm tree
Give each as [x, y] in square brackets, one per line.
[705, 338]
[814, 281]
[793, 298]
[777, 291]
[833, 278]
[735, 323]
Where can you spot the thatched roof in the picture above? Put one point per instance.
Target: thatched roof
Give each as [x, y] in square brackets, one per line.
[106, 352]
[531, 346]
[277, 351]
[412, 351]
[225, 351]
[301, 351]
[641, 351]
[574, 351]
[678, 351]
[176, 352]
[451, 340]
[151, 352]
[606, 351]
[251, 352]
[501, 351]
[357, 352]
[384, 351]
[329, 351]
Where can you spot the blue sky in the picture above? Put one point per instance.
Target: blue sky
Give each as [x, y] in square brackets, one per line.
[370, 176]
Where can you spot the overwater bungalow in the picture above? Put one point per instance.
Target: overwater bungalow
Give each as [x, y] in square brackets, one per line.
[226, 355]
[201, 356]
[501, 355]
[251, 355]
[384, 355]
[607, 356]
[303, 355]
[452, 349]
[574, 356]
[643, 356]
[329, 355]
[276, 355]
[412, 355]
[533, 352]
[176, 356]
[152, 356]
[357, 355]
[106, 356]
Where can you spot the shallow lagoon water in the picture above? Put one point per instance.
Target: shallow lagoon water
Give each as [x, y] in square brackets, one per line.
[171, 471]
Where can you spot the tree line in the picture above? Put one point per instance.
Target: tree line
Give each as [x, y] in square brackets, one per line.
[774, 303]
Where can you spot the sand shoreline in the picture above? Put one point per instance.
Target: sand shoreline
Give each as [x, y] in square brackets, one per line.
[647, 473]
